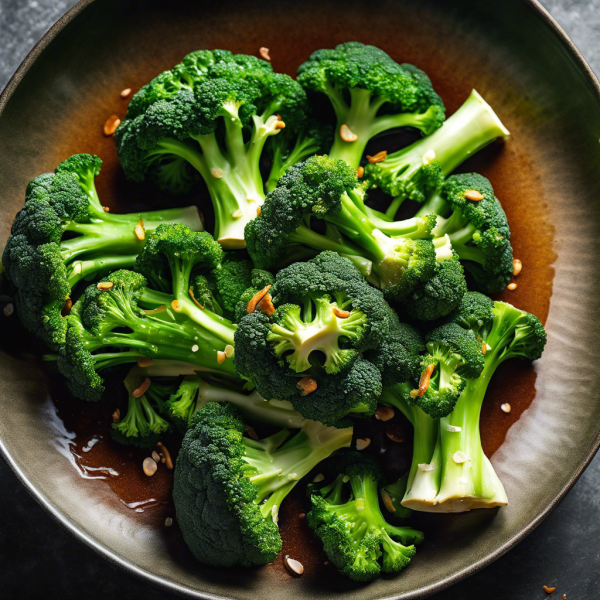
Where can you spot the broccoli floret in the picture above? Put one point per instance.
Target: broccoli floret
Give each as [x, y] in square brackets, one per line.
[63, 235]
[316, 349]
[328, 189]
[204, 292]
[454, 355]
[260, 279]
[477, 228]
[347, 517]
[371, 94]
[417, 171]
[194, 392]
[171, 255]
[290, 147]
[142, 426]
[228, 488]
[233, 277]
[213, 114]
[437, 297]
[392, 495]
[96, 340]
[457, 476]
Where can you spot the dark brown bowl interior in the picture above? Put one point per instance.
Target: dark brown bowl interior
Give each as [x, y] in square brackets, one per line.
[546, 176]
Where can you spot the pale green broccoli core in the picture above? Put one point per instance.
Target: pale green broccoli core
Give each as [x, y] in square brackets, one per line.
[297, 336]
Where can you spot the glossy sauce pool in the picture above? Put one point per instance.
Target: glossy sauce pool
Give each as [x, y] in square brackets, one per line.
[516, 184]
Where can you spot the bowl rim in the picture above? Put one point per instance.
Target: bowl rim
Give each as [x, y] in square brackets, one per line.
[72, 528]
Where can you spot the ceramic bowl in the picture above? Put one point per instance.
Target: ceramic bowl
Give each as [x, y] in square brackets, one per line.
[547, 176]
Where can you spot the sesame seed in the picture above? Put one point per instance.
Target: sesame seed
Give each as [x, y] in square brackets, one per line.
[195, 348]
[511, 286]
[460, 457]
[149, 466]
[229, 351]
[293, 566]
[125, 92]
[168, 522]
[506, 407]
[216, 173]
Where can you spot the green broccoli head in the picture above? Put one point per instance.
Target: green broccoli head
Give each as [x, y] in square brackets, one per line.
[172, 252]
[205, 293]
[453, 356]
[212, 114]
[228, 488]
[479, 231]
[326, 319]
[371, 94]
[63, 235]
[260, 279]
[233, 277]
[347, 517]
[142, 426]
[475, 312]
[440, 295]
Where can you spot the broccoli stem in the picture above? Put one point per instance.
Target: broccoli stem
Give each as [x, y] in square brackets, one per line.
[304, 148]
[232, 175]
[92, 267]
[278, 471]
[472, 127]
[362, 120]
[118, 231]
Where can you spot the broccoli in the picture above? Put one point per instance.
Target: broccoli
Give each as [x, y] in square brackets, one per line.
[453, 356]
[232, 277]
[326, 188]
[106, 327]
[63, 235]
[142, 426]
[347, 517]
[417, 171]
[473, 219]
[324, 343]
[259, 280]
[228, 488]
[371, 94]
[392, 495]
[434, 299]
[213, 114]
[194, 392]
[458, 476]
[289, 147]
[168, 260]
[204, 292]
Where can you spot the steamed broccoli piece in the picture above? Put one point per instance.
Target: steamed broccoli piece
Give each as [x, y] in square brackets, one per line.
[371, 94]
[63, 235]
[478, 229]
[330, 329]
[259, 280]
[142, 426]
[290, 147]
[213, 114]
[417, 171]
[228, 488]
[347, 517]
[194, 392]
[233, 277]
[106, 327]
[328, 189]
[433, 299]
[454, 355]
[448, 483]
[392, 495]
[171, 255]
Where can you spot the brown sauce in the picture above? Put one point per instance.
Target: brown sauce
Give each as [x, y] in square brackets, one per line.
[515, 179]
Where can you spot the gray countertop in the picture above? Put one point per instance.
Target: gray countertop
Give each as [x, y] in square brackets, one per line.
[39, 560]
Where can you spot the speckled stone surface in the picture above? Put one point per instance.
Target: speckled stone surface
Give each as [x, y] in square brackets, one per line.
[39, 560]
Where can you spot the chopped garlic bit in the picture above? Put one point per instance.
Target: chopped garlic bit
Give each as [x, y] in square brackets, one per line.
[506, 407]
[428, 157]
[454, 428]
[460, 457]
[195, 348]
[217, 173]
[275, 513]
[426, 467]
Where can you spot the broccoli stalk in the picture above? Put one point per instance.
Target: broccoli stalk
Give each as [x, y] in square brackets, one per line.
[275, 469]
[417, 171]
[454, 475]
[346, 515]
[194, 392]
[228, 488]
[142, 426]
[370, 94]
